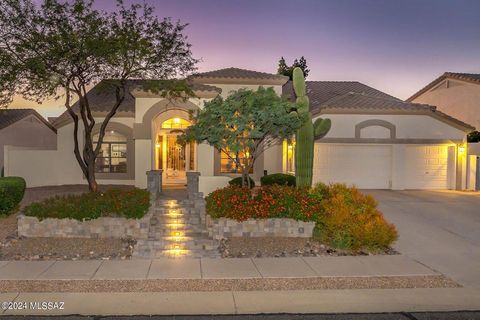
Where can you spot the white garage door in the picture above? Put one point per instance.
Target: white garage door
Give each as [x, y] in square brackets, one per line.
[366, 166]
[426, 167]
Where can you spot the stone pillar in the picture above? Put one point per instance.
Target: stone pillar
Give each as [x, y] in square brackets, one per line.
[154, 183]
[193, 185]
[194, 195]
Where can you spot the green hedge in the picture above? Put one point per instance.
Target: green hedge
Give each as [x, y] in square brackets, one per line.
[12, 190]
[278, 178]
[131, 204]
[238, 182]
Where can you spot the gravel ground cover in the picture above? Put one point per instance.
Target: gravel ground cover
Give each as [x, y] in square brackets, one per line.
[15, 248]
[170, 285]
[281, 247]
[66, 249]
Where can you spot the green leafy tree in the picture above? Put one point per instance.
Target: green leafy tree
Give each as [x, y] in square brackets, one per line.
[286, 70]
[245, 123]
[61, 48]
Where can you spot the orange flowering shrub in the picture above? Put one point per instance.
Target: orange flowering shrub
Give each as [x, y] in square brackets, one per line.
[352, 220]
[345, 218]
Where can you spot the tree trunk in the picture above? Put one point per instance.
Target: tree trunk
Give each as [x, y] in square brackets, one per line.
[92, 181]
[92, 184]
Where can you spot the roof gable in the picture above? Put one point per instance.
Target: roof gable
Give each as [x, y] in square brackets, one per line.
[11, 116]
[467, 77]
[101, 99]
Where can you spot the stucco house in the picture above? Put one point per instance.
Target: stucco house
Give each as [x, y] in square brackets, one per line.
[376, 140]
[457, 94]
[25, 128]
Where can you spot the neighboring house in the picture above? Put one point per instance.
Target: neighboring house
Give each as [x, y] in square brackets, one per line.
[376, 140]
[457, 94]
[25, 128]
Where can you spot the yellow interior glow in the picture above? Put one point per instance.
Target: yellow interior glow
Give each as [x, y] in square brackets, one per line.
[175, 123]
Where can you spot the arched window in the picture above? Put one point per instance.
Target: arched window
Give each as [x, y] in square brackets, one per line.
[175, 123]
[112, 157]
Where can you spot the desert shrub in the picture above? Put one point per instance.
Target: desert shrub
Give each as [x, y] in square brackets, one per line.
[12, 190]
[345, 218]
[278, 178]
[131, 204]
[274, 201]
[231, 202]
[351, 220]
[238, 182]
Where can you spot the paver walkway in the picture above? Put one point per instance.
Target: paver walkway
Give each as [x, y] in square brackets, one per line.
[206, 268]
[176, 230]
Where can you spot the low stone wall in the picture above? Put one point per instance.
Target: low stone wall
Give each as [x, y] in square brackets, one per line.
[97, 228]
[227, 228]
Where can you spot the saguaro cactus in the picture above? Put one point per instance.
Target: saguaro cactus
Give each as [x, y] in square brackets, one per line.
[307, 134]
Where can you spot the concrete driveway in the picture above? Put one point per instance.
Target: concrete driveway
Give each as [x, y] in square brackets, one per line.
[440, 229]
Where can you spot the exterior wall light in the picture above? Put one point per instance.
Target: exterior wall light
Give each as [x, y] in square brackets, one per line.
[461, 150]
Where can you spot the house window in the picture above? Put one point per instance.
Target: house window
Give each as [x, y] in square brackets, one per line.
[289, 156]
[175, 123]
[227, 165]
[112, 157]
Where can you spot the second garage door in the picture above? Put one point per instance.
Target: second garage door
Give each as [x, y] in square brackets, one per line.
[366, 166]
[427, 167]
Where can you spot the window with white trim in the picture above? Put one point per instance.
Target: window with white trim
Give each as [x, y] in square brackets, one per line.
[112, 157]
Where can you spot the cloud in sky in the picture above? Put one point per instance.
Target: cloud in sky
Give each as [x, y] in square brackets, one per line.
[394, 46]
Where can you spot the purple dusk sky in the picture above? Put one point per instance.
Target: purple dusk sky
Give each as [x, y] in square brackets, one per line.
[394, 46]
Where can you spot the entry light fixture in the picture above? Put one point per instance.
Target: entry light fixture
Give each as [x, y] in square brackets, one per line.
[176, 120]
[461, 149]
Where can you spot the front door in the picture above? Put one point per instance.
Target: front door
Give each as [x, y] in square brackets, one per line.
[176, 160]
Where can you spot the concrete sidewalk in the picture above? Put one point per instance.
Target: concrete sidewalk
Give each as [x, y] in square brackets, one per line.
[241, 268]
[238, 302]
[231, 301]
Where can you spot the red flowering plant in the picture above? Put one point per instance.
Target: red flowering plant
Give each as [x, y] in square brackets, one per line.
[273, 201]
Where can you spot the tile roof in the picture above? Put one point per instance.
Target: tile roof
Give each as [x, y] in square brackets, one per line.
[364, 102]
[320, 92]
[469, 77]
[237, 73]
[353, 100]
[10, 116]
[101, 100]
[352, 95]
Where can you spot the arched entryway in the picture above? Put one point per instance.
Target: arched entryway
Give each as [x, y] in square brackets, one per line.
[173, 157]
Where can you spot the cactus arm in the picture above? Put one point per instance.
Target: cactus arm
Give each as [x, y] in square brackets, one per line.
[321, 127]
[299, 82]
